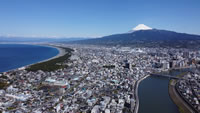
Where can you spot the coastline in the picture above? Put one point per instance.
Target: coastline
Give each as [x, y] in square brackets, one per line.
[136, 93]
[61, 52]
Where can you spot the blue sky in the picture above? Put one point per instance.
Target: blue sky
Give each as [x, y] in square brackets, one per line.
[94, 18]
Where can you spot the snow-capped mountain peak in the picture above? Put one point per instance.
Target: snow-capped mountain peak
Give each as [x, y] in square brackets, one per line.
[141, 27]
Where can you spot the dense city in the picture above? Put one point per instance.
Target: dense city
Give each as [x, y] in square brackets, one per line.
[97, 80]
[189, 89]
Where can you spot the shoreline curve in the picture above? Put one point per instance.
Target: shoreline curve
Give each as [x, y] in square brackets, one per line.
[61, 52]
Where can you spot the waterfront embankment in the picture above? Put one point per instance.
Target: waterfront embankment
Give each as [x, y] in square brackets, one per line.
[177, 99]
[136, 93]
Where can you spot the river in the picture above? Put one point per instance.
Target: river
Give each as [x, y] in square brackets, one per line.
[154, 96]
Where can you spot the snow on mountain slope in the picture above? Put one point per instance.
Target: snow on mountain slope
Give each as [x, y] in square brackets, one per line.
[141, 27]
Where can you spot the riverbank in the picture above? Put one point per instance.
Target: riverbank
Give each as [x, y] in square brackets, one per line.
[183, 107]
[136, 93]
[181, 104]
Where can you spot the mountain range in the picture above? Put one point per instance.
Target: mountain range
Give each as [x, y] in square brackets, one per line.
[144, 36]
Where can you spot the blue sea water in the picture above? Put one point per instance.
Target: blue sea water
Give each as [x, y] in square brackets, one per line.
[13, 56]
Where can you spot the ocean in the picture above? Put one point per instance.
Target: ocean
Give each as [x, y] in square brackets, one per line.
[13, 56]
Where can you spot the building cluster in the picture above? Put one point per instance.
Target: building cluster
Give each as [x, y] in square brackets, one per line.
[166, 59]
[98, 79]
[189, 89]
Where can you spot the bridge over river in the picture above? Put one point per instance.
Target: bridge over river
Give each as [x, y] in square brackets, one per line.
[168, 76]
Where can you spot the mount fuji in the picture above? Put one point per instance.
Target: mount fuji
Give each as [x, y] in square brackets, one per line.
[144, 36]
[141, 27]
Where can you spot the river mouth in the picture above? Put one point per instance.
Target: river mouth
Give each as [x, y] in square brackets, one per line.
[154, 96]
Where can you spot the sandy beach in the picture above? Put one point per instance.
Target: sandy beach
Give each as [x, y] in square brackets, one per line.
[61, 53]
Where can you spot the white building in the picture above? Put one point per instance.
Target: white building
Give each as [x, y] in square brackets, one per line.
[95, 109]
